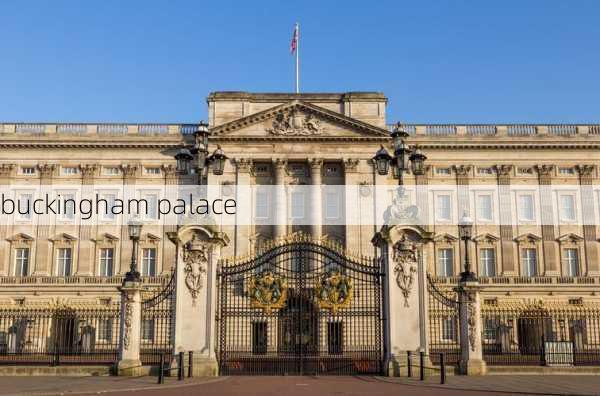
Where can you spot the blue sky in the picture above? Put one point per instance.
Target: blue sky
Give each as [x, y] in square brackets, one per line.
[437, 61]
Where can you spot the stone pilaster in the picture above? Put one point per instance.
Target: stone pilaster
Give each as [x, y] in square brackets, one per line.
[586, 177]
[504, 173]
[131, 321]
[549, 245]
[86, 256]
[129, 173]
[471, 361]
[168, 248]
[280, 204]
[463, 173]
[422, 181]
[6, 173]
[43, 248]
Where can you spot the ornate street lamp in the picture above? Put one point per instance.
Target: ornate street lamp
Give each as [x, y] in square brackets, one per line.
[135, 230]
[465, 232]
[404, 158]
[198, 155]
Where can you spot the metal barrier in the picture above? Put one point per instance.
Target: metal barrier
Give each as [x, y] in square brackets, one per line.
[180, 367]
[422, 367]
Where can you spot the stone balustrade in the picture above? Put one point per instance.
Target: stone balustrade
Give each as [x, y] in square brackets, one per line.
[78, 280]
[523, 280]
[512, 130]
[110, 129]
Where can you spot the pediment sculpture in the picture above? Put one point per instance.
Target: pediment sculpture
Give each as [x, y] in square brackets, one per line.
[292, 122]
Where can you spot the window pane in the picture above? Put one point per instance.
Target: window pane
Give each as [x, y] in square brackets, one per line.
[259, 337]
[262, 204]
[445, 262]
[22, 262]
[526, 208]
[529, 261]
[332, 205]
[106, 262]
[487, 258]
[567, 207]
[297, 205]
[148, 330]
[63, 262]
[149, 262]
[484, 207]
[571, 262]
[443, 207]
[335, 337]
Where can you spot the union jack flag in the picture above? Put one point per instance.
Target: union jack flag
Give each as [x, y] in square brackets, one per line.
[294, 43]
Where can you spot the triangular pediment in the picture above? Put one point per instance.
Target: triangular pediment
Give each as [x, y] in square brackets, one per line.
[445, 238]
[20, 237]
[298, 119]
[528, 238]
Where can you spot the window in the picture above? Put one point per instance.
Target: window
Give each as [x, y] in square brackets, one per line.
[24, 206]
[28, 170]
[484, 207]
[566, 171]
[107, 213]
[445, 262]
[261, 210]
[442, 171]
[449, 329]
[443, 207]
[335, 335]
[68, 206]
[490, 330]
[70, 170]
[64, 261]
[567, 207]
[112, 171]
[148, 330]
[525, 171]
[485, 171]
[332, 170]
[152, 171]
[571, 261]
[526, 208]
[151, 206]
[259, 338]
[487, 259]
[105, 330]
[149, 262]
[529, 261]
[21, 261]
[297, 205]
[332, 205]
[106, 261]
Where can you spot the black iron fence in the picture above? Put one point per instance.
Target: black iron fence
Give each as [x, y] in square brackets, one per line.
[157, 325]
[443, 328]
[58, 335]
[537, 334]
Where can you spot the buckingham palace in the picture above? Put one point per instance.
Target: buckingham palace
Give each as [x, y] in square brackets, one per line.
[358, 245]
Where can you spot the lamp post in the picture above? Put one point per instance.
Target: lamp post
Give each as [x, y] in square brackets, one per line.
[404, 158]
[465, 231]
[135, 229]
[195, 159]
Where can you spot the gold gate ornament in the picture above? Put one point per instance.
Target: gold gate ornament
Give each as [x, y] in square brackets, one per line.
[334, 291]
[267, 292]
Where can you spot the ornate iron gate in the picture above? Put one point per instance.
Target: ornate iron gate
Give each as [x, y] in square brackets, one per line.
[300, 307]
[444, 326]
[157, 323]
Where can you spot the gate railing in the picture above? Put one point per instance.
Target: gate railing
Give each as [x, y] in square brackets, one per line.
[536, 333]
[443, 327]
[157, 323]
[59, 334]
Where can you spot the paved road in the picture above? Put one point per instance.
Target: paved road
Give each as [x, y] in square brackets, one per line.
[302, 386]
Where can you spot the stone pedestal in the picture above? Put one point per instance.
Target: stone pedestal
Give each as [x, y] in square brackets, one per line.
[405, 297]
[131, 318]
[471, 362]
[198, 251]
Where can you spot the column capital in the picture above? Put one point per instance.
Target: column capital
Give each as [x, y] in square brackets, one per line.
[503, 170]
[6, 170]
[586, 170]
[129, 170]
[351, 164]
[243, 165]
[315, 163]
[46, 170]
[88, 171]
[169, 171]
[280, 163]
[462, 171]
[544, 170]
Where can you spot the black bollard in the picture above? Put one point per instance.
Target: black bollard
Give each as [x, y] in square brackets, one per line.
[190, 364]
[442, 369]
[180, 368]
[409, 365]
[422, 366]
[161, 369]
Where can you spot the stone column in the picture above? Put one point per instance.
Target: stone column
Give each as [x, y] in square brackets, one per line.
[549, 244]
[422, 182]
[198, 250]
[471, 362]
[586, 177]
[243, 229]
[168, 248]
[131, 322]
[505, 216]
[316, 200]
[405, 297]
[280, 199]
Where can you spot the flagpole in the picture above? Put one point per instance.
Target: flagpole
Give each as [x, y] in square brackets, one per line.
[297, 57]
